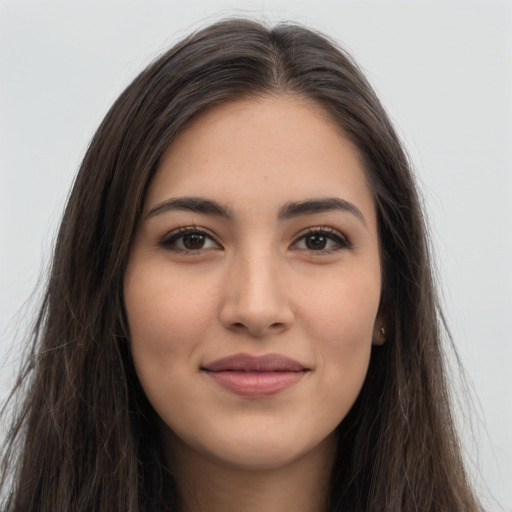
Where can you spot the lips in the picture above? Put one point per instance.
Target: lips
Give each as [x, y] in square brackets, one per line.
[252, 376]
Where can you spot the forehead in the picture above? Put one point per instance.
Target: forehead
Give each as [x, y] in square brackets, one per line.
[262, 150]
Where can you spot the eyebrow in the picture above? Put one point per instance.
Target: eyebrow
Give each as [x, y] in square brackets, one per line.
[287, 211]
[324, 204]
[191, 204]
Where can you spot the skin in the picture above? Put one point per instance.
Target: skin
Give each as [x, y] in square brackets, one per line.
[259, 284]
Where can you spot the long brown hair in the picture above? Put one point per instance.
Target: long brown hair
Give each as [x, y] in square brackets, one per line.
[84, 437]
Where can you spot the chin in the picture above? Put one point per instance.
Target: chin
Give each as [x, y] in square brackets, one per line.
[264, 452]
[262, 458]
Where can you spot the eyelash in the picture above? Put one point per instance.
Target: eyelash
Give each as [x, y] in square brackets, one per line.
[340, 240]
[169, 241]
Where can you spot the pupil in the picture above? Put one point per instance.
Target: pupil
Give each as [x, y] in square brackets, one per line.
[316, 242]
[193, 241]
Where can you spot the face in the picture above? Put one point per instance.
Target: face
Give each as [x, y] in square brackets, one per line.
[253, 286]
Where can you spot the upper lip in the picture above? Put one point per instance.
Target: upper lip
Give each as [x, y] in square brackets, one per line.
[248, 363]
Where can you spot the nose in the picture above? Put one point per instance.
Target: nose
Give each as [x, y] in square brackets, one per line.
[255, 298]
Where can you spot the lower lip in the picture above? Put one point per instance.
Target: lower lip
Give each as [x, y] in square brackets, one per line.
[256, 384]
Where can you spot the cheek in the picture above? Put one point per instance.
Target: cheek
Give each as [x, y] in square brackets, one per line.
[166, 317]
[340, 323]
[343, 314]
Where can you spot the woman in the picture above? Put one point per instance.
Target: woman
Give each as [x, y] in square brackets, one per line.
[240, 313]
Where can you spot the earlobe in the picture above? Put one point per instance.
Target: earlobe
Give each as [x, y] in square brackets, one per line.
[381, 327]
[379, 331]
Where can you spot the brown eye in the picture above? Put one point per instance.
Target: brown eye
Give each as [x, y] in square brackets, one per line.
[322, 240]
[316, 242]
[193, 241]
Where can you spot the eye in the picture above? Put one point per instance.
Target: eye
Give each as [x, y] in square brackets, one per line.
[321, 240]
[189, 239]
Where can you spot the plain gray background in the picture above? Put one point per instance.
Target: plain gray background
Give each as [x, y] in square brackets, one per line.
[444, 72]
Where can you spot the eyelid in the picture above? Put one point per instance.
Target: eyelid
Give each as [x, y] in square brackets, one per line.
[341, 240]
[171, 237]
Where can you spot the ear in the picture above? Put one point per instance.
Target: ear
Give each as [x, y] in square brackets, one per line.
[379, 330]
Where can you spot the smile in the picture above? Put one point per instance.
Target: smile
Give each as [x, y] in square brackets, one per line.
[251, 376]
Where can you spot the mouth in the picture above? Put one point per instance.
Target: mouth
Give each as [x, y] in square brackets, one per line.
[252, 376]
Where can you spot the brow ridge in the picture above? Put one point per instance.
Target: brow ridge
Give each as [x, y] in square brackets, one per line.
[192, 204]
[287, 211]
[320, 205]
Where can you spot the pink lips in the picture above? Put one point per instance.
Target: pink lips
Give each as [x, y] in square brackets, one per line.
[255, 376]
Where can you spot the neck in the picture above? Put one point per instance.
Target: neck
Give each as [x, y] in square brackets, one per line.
[213, 486]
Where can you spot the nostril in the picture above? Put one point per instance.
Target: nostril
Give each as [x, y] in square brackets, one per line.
[256, 316]
[257, 329]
